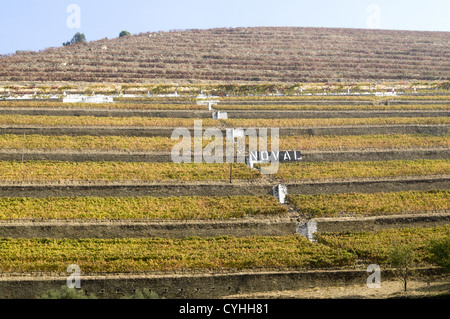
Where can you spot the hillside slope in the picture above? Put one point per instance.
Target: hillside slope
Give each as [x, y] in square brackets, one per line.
[263, 54]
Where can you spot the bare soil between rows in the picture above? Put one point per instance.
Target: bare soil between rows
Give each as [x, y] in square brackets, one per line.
[280, 225]
[207, 285]
[437, 130]
[165, 157]
[232, 113]
[110, 112]
[303, 114]
[336, 101]
[417, 288]
[271, 226]
[376, 223]
[220, 188]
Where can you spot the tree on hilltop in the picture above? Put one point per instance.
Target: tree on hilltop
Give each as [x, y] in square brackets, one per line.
[77, 38]
[124, 33]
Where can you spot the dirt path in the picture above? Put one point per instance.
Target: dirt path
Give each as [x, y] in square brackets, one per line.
[148, 131]
[64, 110]
[219, 188]
[165, 156]
[388, 289]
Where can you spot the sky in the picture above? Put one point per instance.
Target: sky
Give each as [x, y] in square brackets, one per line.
[39, 24]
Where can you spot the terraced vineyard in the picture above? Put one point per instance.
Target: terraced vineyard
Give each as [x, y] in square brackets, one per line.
[147, 207]
[144, 255]
[148, 144]
[259, 54]
[360, 204]
[94, 185]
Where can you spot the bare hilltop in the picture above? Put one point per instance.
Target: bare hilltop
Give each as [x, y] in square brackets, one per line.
[249, 55]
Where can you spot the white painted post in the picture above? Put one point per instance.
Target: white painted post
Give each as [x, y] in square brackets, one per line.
[233, 133]
[229, 132]
[222, 115]
[23, 146]
[307, 229]
[280, 192]
[249, 161]
[219, 115]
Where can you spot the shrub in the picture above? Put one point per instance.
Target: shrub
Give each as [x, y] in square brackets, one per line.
[143, 294]
[440, 252]
[124, 34]
[77, 38]
[67, 293]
